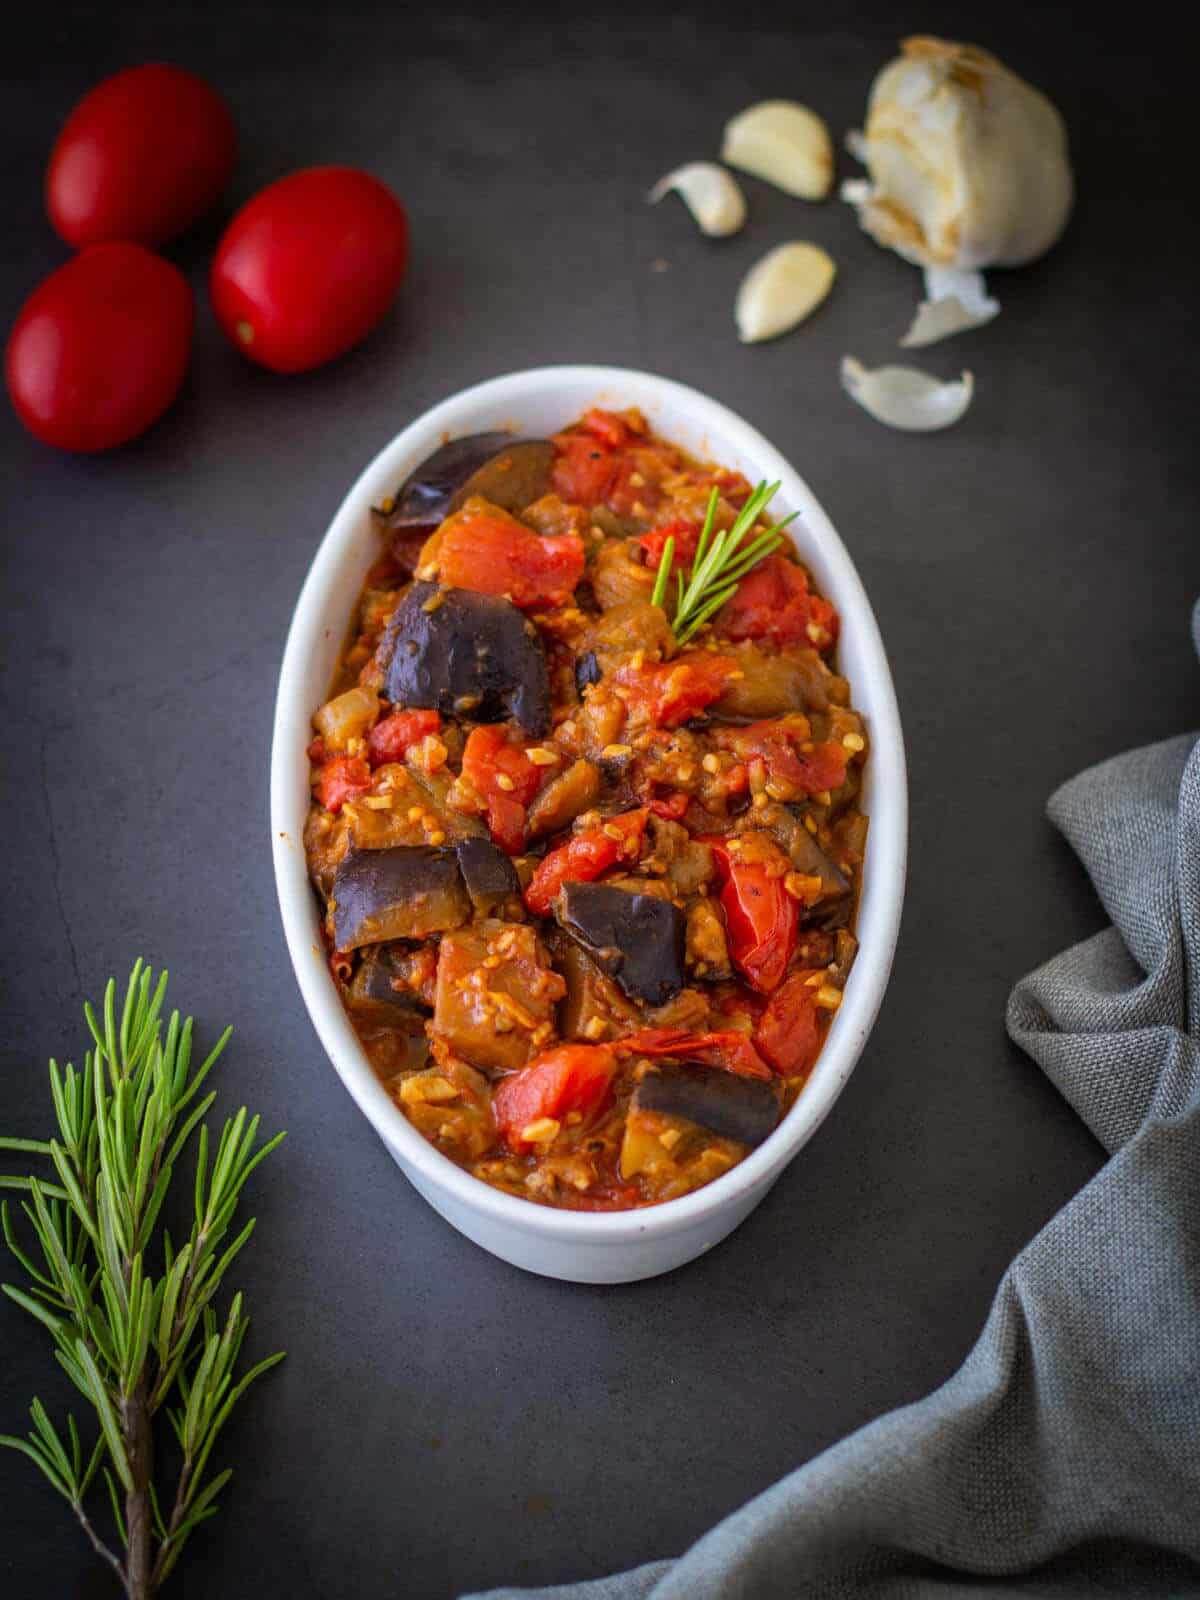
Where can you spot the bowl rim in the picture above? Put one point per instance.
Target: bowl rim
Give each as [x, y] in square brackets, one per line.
[887, 843]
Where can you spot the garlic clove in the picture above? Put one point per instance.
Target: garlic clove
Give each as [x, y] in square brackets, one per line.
[786, 144]
[778, 292]
[709, 192]
[954, 301]
[903, 398]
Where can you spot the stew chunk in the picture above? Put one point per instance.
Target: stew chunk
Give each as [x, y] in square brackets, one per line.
[496, 994]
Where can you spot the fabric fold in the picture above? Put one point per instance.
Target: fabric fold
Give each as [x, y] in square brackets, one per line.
[1063, 1458]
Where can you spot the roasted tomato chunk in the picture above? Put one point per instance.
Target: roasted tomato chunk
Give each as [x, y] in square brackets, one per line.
[774, 602]
[668, 693]
[583, 858]
[483, 548]
[505, 779]
[572, 1078]
[787, 1033]
[340, 779]
[390, 739]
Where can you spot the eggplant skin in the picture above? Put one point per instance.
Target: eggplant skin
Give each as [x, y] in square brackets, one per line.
[405, 892]
[373, 993]
[468, 655]
[587, 670]
[489, 875]
[637, 939]
[745, 1109]
[423, 500]
[513, 477]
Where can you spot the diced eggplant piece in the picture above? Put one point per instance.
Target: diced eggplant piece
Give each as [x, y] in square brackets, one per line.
[563, 798]
[426, 496]
[627, 627]
[406, 892]
[511, 478]
[587, 671]
[378, 989]
[496, 994]
[490, 877]
[745, 1109]
[833, 906]
[617, 576]
[638, 939]
[463, 653]
[594, 1008]
[771, 685]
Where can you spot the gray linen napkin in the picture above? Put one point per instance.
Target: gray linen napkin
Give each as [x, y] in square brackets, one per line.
[1063, 1458]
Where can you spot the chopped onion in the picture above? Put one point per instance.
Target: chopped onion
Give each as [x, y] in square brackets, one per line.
[954, 300]
[902, 397]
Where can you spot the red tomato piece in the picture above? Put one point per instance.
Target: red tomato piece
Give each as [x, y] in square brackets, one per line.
[685, 534]
[668, 693]
[309, 266]
[632, 491]
[485, 549]
[505, 779]
[761, 917]
[583, 858]
[671, 806]
[141, 158]
[573, 1077]
[769, 748]
[341, 778]
[99, 349]
[390, 739]
[729, 1050]
[787, 1033]
[583, 469]
[773, 602]
[611, 430]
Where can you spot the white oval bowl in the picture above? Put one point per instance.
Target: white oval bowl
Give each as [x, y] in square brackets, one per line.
[612, 1247]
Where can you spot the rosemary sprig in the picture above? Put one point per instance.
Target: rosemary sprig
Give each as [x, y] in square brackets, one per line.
[720, 562]
[132, 1342]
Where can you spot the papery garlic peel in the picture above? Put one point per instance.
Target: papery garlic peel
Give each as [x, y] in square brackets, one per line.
[968, 163]
[778, 292]
[784, 143]
[710, 193]
[902, 397]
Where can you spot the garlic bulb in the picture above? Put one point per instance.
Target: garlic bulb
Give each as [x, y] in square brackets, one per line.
[709, 192]
[968, 163]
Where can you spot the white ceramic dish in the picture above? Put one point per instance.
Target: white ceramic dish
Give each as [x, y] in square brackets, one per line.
[612, 1247]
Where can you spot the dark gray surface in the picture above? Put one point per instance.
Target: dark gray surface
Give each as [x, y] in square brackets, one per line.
[444, 1421]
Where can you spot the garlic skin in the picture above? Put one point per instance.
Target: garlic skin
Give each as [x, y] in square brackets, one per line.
[954, 301]
[780, 290]
[902, 397]
[709, 192]
[968, 163]
[783, 143]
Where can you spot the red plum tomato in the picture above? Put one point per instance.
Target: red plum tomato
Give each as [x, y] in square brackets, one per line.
[309, 266]
[99, 349]
[142, 157]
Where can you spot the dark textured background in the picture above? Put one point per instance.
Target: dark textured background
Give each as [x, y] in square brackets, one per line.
[444, 1421]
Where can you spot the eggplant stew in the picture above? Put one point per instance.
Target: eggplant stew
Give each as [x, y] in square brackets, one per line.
[588, 892]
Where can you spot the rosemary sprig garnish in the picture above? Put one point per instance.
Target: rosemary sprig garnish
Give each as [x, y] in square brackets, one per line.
[134, 1344]
[720, 562]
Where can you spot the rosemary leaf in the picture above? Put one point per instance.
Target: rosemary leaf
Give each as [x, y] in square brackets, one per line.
[130, 1341]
